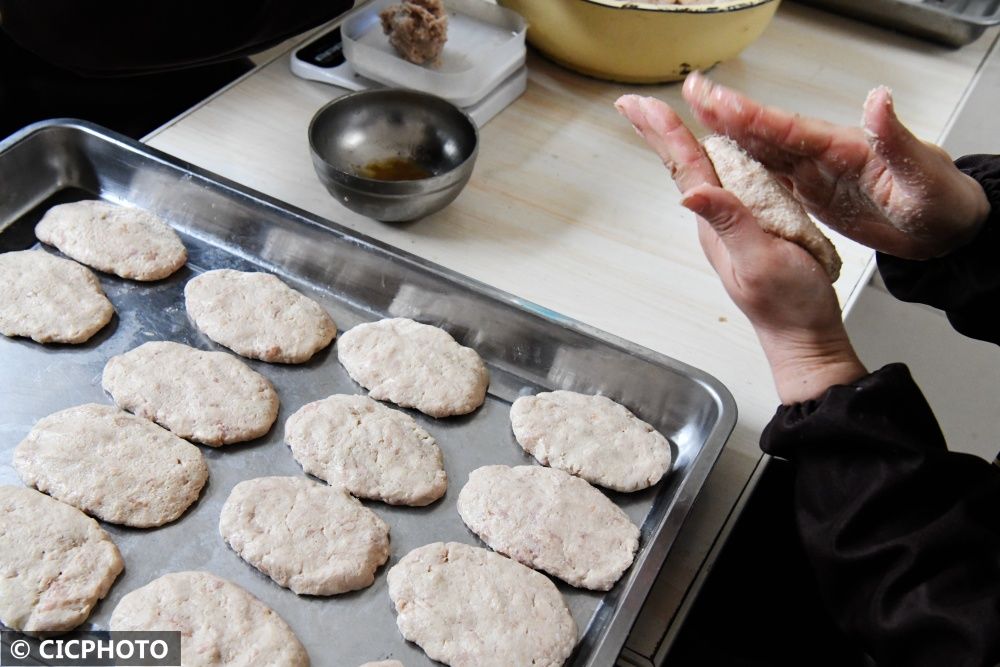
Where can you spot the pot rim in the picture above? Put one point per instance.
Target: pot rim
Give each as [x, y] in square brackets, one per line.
[713, 8]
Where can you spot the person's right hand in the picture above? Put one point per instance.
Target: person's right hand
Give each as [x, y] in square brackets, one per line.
[781, 288]
[879, 185]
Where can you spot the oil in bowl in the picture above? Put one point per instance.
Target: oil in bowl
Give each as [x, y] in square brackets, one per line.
[394, 169]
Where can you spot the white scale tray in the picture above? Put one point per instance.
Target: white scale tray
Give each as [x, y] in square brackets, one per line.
[481, 67]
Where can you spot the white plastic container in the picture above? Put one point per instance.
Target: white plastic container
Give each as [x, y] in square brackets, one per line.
[485, 47]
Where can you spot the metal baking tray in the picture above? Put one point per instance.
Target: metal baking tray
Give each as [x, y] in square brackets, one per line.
[526, 347]
[949, 22]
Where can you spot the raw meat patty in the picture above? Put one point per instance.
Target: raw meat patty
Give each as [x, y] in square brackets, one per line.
[112, 465]
[50, 299]
[774, 207]
[55, 563]
[128, 242]
[470, 607]
[258, 316]
[209, 397]
[220, 623]
[591, 437]
[551, 521]
[309, 537]
[371, 450]
[414, 365]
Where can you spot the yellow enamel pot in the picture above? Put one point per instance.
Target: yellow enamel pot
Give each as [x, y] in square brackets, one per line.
[640, 42]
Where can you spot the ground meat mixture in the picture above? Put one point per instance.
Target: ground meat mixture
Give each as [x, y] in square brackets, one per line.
[417, 29]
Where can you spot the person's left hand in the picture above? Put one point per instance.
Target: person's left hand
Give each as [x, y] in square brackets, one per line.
[877, 184]
[779, 286]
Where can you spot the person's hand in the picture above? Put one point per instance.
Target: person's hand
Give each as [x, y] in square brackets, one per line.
[878, 185]
[784, 292]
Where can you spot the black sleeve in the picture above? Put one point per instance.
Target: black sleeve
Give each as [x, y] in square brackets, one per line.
[903, 535]
[130, 37]
[966, 283]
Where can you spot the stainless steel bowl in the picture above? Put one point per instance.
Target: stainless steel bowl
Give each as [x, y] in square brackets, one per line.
[376, 127]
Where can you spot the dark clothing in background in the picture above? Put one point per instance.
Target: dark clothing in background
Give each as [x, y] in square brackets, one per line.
[903, 535]
[33, 90]
[132, 66]
[966, 283]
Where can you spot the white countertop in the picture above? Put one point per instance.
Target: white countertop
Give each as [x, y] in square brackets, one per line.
[567, 208]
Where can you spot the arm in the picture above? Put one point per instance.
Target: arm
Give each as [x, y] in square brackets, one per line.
[903, 535]
[966, 282]
[119, 38]
[883, 187]
[933, 224]
[781, 289]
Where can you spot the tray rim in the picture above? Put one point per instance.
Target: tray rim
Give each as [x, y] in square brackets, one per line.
[650, 560]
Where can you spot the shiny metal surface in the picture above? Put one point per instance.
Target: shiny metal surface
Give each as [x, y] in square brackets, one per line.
[222, 224]
[950, 22]
[389, 123]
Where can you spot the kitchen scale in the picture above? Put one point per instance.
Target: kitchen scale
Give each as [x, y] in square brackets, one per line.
[481, 68]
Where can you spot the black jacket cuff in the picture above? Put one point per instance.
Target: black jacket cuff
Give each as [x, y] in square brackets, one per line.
[886, 407]
[965, 283]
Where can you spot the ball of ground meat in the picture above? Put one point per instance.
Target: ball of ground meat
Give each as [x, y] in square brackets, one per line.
[417, 29]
